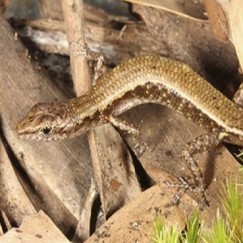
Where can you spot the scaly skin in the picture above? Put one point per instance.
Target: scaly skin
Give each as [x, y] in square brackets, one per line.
[141, 80]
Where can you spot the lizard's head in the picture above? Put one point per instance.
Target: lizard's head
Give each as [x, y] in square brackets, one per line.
[45, 121]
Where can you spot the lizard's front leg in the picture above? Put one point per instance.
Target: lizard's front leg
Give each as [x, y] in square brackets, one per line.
[123, 125]
[199, 144]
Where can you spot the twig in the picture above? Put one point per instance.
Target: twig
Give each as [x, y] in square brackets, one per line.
[73, 15]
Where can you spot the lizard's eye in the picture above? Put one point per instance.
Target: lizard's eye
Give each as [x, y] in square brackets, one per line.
[46, 130]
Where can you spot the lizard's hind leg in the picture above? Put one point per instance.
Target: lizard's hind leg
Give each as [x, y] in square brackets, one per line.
[202, 143]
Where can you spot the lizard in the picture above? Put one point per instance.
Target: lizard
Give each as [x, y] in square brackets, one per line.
[143, 79]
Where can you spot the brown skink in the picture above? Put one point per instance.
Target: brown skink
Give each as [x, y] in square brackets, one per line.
[144, 79]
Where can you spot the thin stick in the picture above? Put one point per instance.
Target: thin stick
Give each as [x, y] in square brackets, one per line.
[73, 15]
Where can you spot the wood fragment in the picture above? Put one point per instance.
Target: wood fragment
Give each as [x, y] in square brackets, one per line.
[83, 228]
[227, 22]
[37, 228]
[51, 9]
[114, 170]
[14, 202]
[218, 19]
[134, 222]
[188, 9]
[236, 27]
